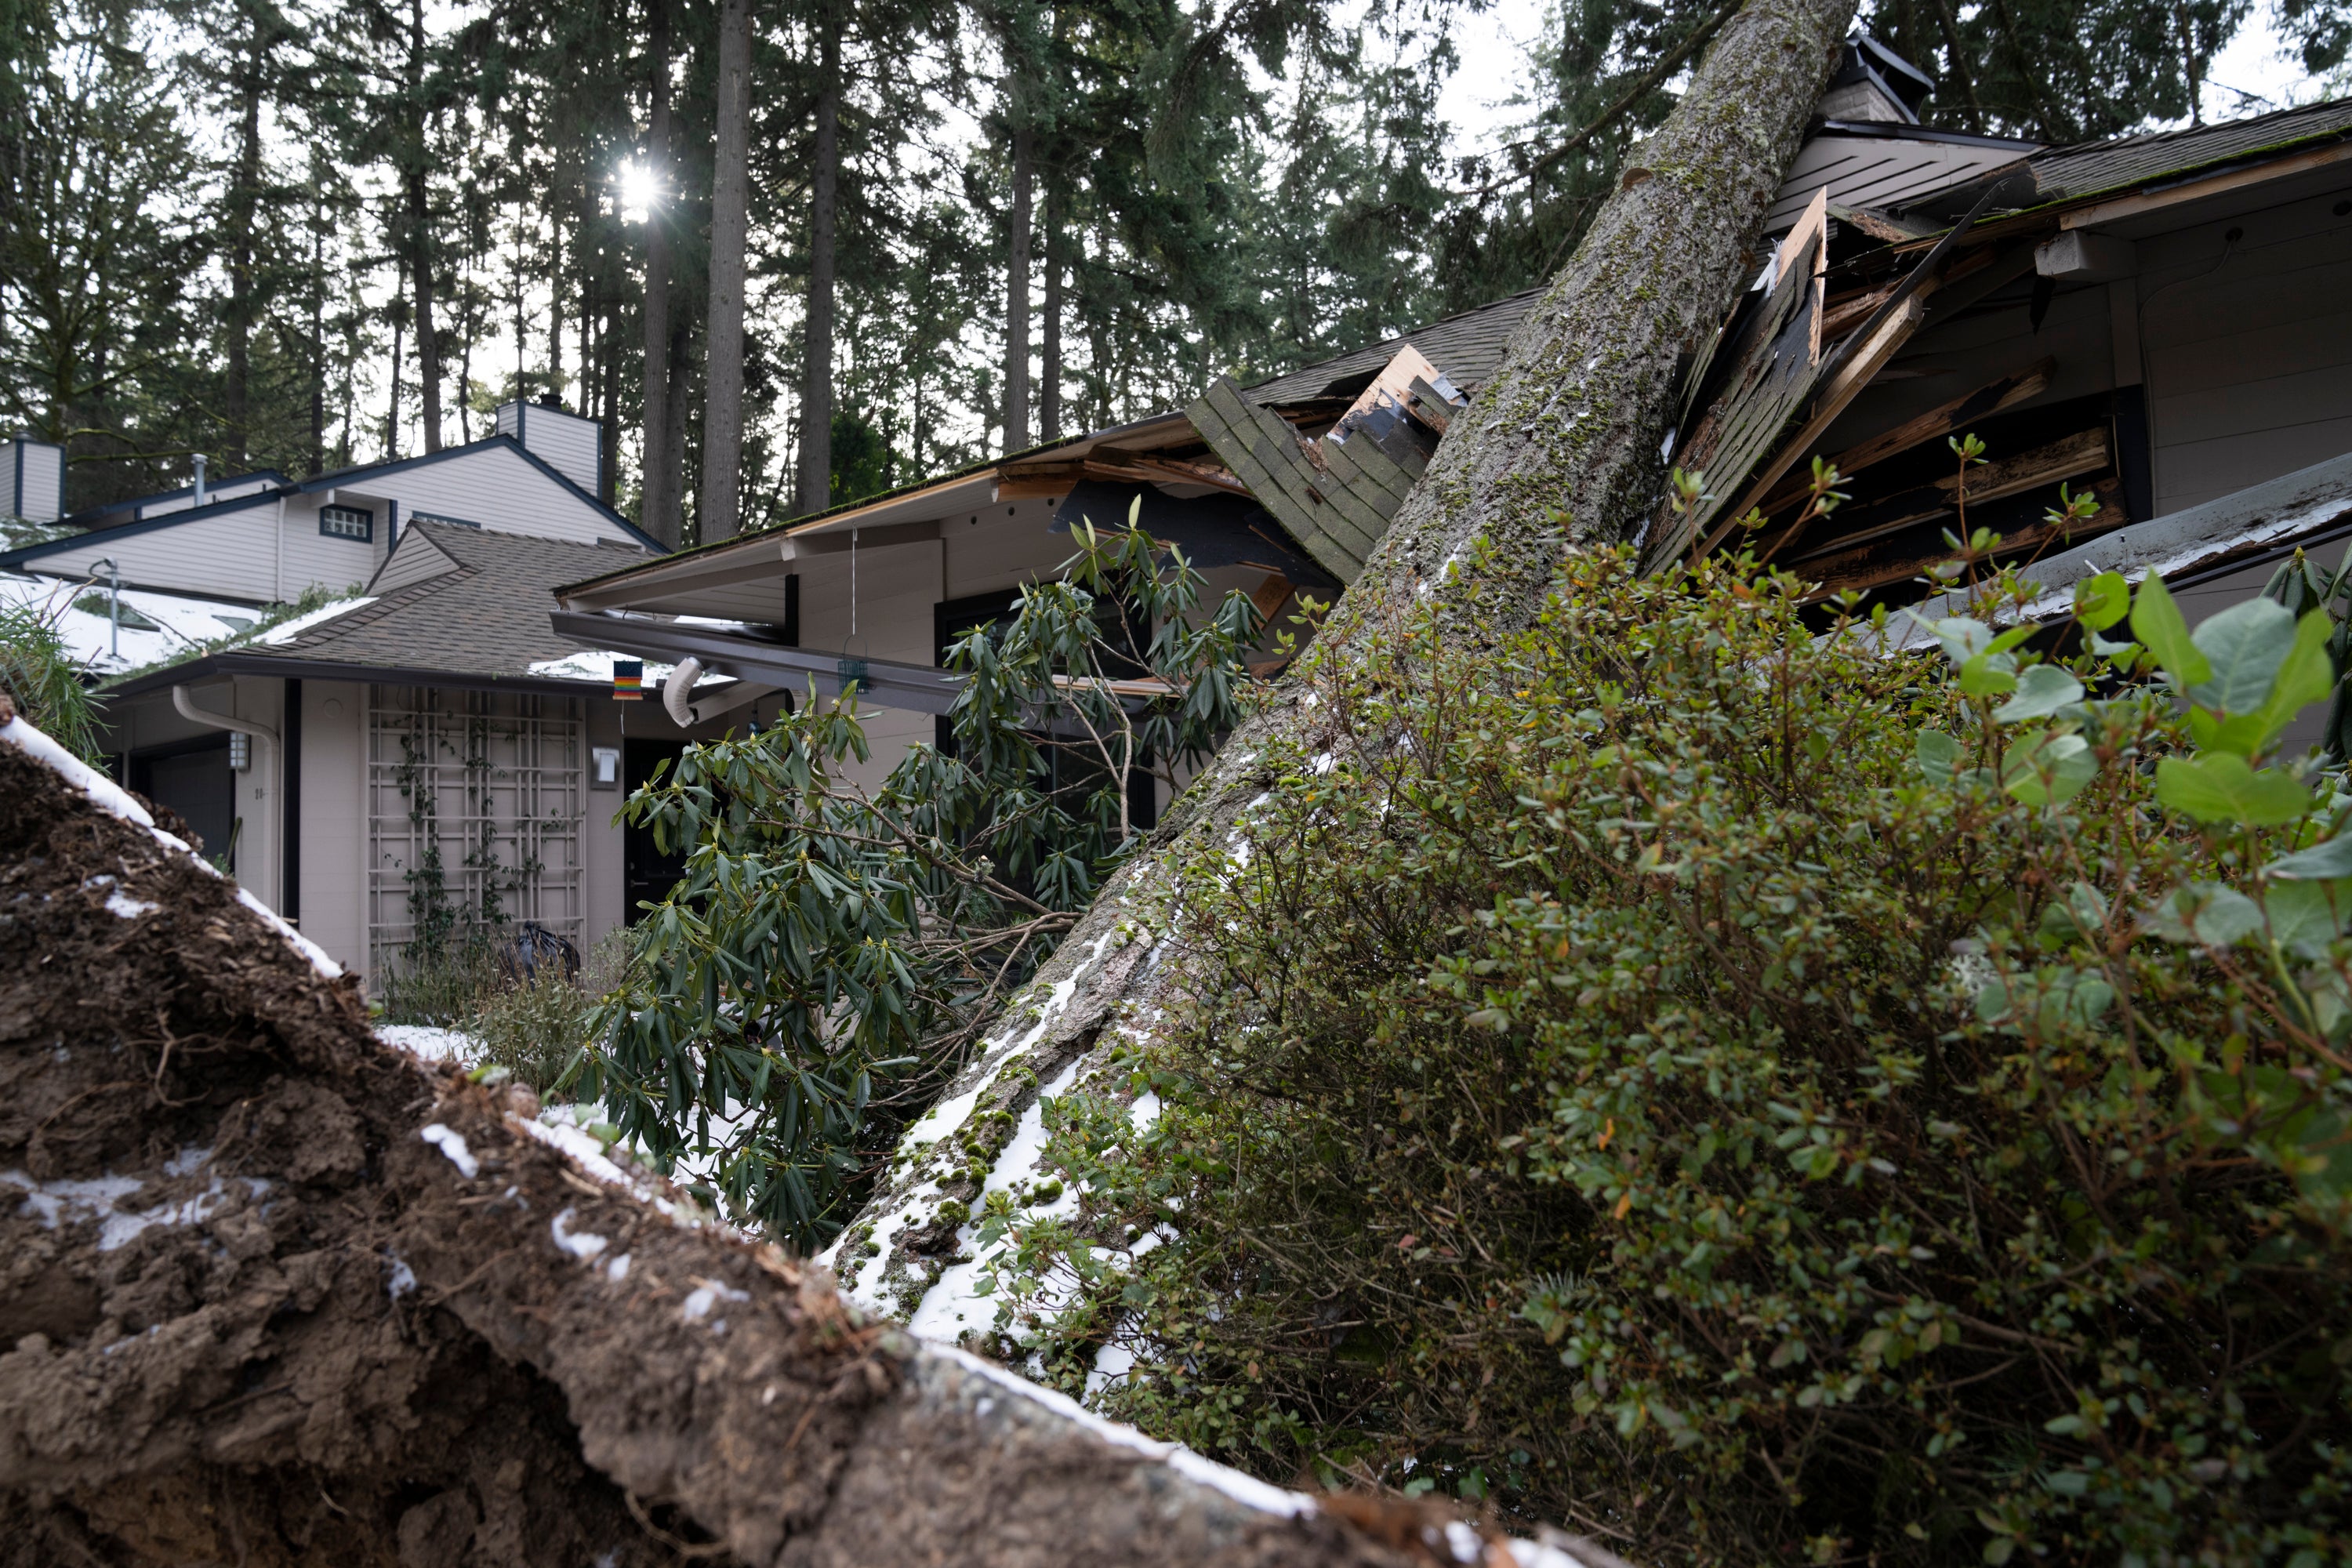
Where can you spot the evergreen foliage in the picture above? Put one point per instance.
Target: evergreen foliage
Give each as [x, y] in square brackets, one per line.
[819, 971]
[1756, 1098]
[41, 674]
[314, 209]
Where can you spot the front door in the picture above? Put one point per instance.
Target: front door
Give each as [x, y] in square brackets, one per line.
[192, 778]
[650, 873]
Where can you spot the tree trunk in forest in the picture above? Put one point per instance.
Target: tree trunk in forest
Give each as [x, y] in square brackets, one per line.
[318, 344]
[608, 400]
[1016, 283]
[681, 344]
[1568, 426]
[1049, 393]
[555, 280]
[816, 373]
[420, 238]
[272, 1292]
[392, 409]
[722, 374]
[658, 503]
[244, 199]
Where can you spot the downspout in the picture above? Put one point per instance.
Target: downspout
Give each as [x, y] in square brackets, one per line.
[281, 547]
[183, 700]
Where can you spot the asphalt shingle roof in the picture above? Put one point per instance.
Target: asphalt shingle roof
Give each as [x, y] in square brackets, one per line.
[1467, 348]
[489, 617]
[2067, 173]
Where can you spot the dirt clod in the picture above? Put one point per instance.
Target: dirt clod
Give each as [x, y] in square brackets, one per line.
[272, 1292]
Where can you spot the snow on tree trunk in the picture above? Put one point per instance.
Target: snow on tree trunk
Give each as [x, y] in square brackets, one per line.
[273, 1292]
[1569, 428]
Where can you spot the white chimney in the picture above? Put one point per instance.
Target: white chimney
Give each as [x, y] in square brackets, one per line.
[33, 479]
[570, 445]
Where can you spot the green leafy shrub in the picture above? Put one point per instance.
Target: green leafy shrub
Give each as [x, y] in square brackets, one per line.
[439, 984]
[537, 1028]
[1757, 1096]
[816, 976]
[41, 674]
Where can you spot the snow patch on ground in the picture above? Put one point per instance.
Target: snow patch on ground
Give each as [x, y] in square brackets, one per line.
[180, 623]
[452, 1143]
[706, 1294]
[583, 1245]
[71, 1202]
[1112, 1362]
[432, 1043]
[120, 904]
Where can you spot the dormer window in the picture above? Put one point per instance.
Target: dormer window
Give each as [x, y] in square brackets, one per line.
[347, 522]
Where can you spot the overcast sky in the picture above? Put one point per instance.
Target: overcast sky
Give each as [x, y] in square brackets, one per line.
[1494, 47]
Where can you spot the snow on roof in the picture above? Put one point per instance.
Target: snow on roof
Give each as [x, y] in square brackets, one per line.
[597, 663]
[175, 623]
[110, 797]
[285, 632]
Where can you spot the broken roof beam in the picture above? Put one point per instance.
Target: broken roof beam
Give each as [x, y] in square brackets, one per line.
[1945, 419]
[1023, 480]
[1840, 376]
[1884, 562]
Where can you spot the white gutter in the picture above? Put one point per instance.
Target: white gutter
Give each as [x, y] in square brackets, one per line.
[184, 701]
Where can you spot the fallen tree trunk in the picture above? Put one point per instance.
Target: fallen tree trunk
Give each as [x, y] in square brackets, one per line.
[273, 1292]
[1559, 447]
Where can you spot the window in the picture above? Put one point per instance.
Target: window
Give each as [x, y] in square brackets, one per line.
[445, 521]
[347, 522]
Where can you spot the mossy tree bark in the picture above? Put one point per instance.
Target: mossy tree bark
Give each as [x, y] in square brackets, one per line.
[1561, 447]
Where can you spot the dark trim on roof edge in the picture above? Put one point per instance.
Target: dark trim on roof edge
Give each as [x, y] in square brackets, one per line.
[793, 524]
[234, 662]
[1893, 131]
[142, 525]
[74, 521]
[1996, 224]
[341, 478]
[350, 476]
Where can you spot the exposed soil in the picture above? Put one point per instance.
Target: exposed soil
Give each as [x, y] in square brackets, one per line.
[259, 1312]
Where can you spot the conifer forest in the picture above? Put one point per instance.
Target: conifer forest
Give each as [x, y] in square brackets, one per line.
[286, 235]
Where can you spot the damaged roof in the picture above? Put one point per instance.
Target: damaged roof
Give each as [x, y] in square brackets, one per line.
[1467, 347]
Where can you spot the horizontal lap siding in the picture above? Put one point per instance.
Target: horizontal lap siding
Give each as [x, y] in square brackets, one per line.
[414, 561]
[498, 487]
[2248, 347]
[232, 556]
[44, 482]
[321, 561]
